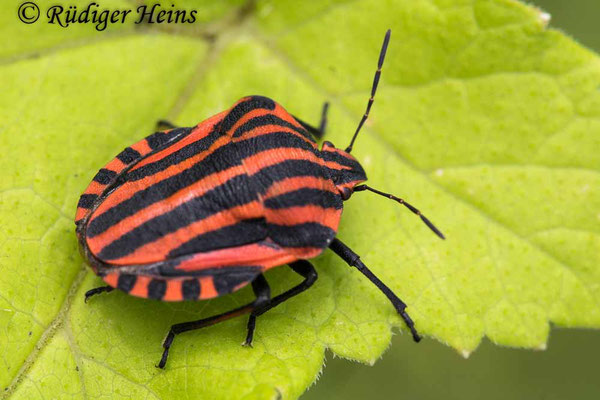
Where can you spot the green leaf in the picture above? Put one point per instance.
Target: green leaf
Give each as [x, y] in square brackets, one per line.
[486, 120]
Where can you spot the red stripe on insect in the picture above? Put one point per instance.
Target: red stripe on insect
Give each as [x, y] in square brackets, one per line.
[197, 189]
[95, 188]
[251, 254]
[328, 217]
[111, 278]
[252, 164]
[116, 165]
[141, 147]
[259, 112]
[159, 249]
[201, 131]
[80, 213]
[304, 253]
[173, 291]
[283, 114]
[140, 288]
[255, 163]
[270, 129]
[208, 290]
[336, 166]
[291, 184]
[129, 189]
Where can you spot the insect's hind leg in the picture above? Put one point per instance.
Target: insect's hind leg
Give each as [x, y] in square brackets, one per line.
[98, 290]
[301, 267]
[263, 298]
[353, 260]
[320, 131]
[201, 323]
[262, 304]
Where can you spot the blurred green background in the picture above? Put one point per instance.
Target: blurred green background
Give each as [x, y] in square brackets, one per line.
[568, 369]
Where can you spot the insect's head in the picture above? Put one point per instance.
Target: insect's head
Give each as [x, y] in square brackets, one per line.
[345, 170]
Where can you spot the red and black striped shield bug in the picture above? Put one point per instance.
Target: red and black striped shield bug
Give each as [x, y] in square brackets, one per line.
[199, 212]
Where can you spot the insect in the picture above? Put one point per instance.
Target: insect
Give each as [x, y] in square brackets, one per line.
[199, 212]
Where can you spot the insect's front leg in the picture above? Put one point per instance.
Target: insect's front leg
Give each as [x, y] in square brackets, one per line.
[353, 260]
[320, 131]
[163, 124]
[323, 124]
[301, 267]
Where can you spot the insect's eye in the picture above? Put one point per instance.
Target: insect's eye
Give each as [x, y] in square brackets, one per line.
[346, 193]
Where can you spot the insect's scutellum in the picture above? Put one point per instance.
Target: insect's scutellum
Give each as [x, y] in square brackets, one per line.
[198, 212]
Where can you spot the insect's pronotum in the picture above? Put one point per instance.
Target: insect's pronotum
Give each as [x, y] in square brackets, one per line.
[199, 212]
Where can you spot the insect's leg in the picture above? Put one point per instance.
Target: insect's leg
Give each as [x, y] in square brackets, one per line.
[163, 124]
[320, 131]
[301, 267]
[263, 297]
[353, 260]
[201, 323]
[96, 291]
[323, 124]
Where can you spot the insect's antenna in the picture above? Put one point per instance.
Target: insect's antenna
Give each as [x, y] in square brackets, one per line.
[404, 203]
[386, 40]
